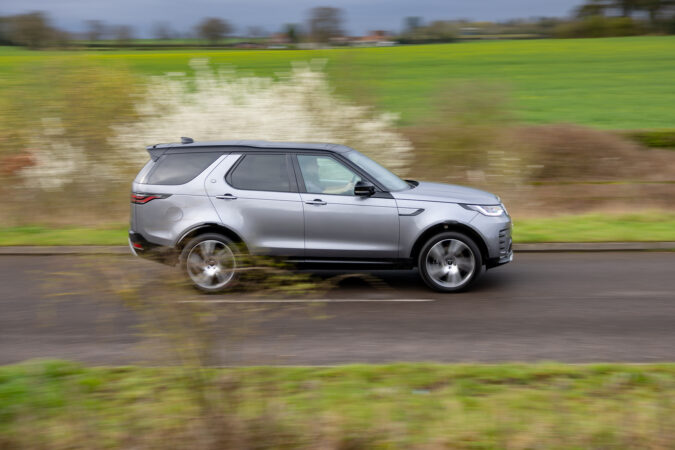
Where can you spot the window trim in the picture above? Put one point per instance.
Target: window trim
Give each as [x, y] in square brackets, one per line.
[292, 182]
[379, 191]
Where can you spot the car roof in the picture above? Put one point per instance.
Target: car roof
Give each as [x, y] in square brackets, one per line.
[256, 144]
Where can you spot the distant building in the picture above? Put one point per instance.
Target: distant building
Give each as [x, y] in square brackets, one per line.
[375, 38]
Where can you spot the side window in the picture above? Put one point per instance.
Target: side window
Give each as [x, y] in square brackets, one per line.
[261, 173]
[179, 168]
[325, 175]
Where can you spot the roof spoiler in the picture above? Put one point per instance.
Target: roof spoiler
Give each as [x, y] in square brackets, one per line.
[156, 152]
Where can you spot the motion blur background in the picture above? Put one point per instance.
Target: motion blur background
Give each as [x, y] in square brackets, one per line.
[565, 108]
[512, 97]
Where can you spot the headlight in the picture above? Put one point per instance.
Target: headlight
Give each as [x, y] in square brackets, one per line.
[487, 210]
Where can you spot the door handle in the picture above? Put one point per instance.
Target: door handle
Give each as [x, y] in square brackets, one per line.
[316, 201]
[226, 197]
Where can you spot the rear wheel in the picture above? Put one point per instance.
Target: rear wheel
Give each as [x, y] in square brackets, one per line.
[210, 262]
[450, 262]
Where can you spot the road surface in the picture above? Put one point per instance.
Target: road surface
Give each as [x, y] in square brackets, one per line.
[570, 307]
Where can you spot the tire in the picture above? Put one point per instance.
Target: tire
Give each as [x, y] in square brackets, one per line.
[209, 262]
[450, 262]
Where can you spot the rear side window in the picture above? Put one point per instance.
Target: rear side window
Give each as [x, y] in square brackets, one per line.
[261, 173]
[179, 168]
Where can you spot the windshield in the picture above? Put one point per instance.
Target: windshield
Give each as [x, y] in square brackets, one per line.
[390, 181]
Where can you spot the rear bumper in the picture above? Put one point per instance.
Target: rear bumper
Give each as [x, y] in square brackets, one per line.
[145, 249]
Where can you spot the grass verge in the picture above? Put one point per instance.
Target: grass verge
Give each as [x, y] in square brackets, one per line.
[356, 406]
[653, 226]
[42, 235]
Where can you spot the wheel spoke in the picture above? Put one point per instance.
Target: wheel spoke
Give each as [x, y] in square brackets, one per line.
[464, 263]
[454, 277]
[196, 262]
[435, 270]
[208, 248]
[454, 248]
[221, 276]
[436, 253]
[203, 279]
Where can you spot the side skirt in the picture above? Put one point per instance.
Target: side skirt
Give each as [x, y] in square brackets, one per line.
[350, 264]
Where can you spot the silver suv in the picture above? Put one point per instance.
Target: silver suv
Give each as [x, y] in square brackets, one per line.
[200, 204]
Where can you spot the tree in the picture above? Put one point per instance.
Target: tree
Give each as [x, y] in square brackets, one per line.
[325, 23]
[123, 34]
[442, 31]
[96, 30]
[162, 31]
[5, 23]
[292, 32]
[653, 8]
[656, 9]
[412, 24]
[213, 29]
[31, 30]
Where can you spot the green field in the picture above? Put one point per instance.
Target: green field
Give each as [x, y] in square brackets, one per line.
[657, 226]
[614, 83]
[345, 407]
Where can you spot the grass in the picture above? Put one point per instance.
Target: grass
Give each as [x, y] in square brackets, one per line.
[40, 235]
[653, 226]
[612, 83]
[597, 228]
[544, 405]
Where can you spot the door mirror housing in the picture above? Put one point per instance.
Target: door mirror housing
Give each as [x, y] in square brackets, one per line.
[364, 189]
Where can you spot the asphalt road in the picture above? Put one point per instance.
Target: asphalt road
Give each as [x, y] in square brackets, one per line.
[571, 307]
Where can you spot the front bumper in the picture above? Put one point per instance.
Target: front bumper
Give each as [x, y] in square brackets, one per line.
[494, 262]
[496, 233]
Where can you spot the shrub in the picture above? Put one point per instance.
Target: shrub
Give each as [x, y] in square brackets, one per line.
[54, 132]
[464, 137]
[600, 26]
[572, 152]
[299, 106]
[653, 138]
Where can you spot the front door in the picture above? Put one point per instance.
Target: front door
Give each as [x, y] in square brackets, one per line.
[339, 224]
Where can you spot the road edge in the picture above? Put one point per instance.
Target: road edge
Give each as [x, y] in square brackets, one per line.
[544, 247]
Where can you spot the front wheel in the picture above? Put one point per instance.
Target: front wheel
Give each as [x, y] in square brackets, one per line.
[210, 262]
[450, 262]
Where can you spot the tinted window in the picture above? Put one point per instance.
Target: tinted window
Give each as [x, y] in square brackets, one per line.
[262, 173]
[181, 167]
[324, 175]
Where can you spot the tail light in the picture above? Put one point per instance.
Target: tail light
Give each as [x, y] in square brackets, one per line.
[142, 199]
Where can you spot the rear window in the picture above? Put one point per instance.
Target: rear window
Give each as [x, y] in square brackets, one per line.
[261, 173]
[180, 168]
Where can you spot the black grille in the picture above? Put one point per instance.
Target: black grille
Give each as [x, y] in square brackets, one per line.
[504, 242]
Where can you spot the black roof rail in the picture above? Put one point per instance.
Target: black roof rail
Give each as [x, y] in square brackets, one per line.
[158, 150]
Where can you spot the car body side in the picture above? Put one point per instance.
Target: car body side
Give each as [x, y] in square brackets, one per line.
[273, 223]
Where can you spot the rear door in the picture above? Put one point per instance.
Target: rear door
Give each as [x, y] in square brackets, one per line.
[256, 195]
[339, 224]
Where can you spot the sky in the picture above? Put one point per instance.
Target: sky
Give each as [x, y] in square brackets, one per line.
[361, 15]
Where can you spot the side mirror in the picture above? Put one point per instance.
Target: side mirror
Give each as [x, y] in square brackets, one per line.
[364, 189]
